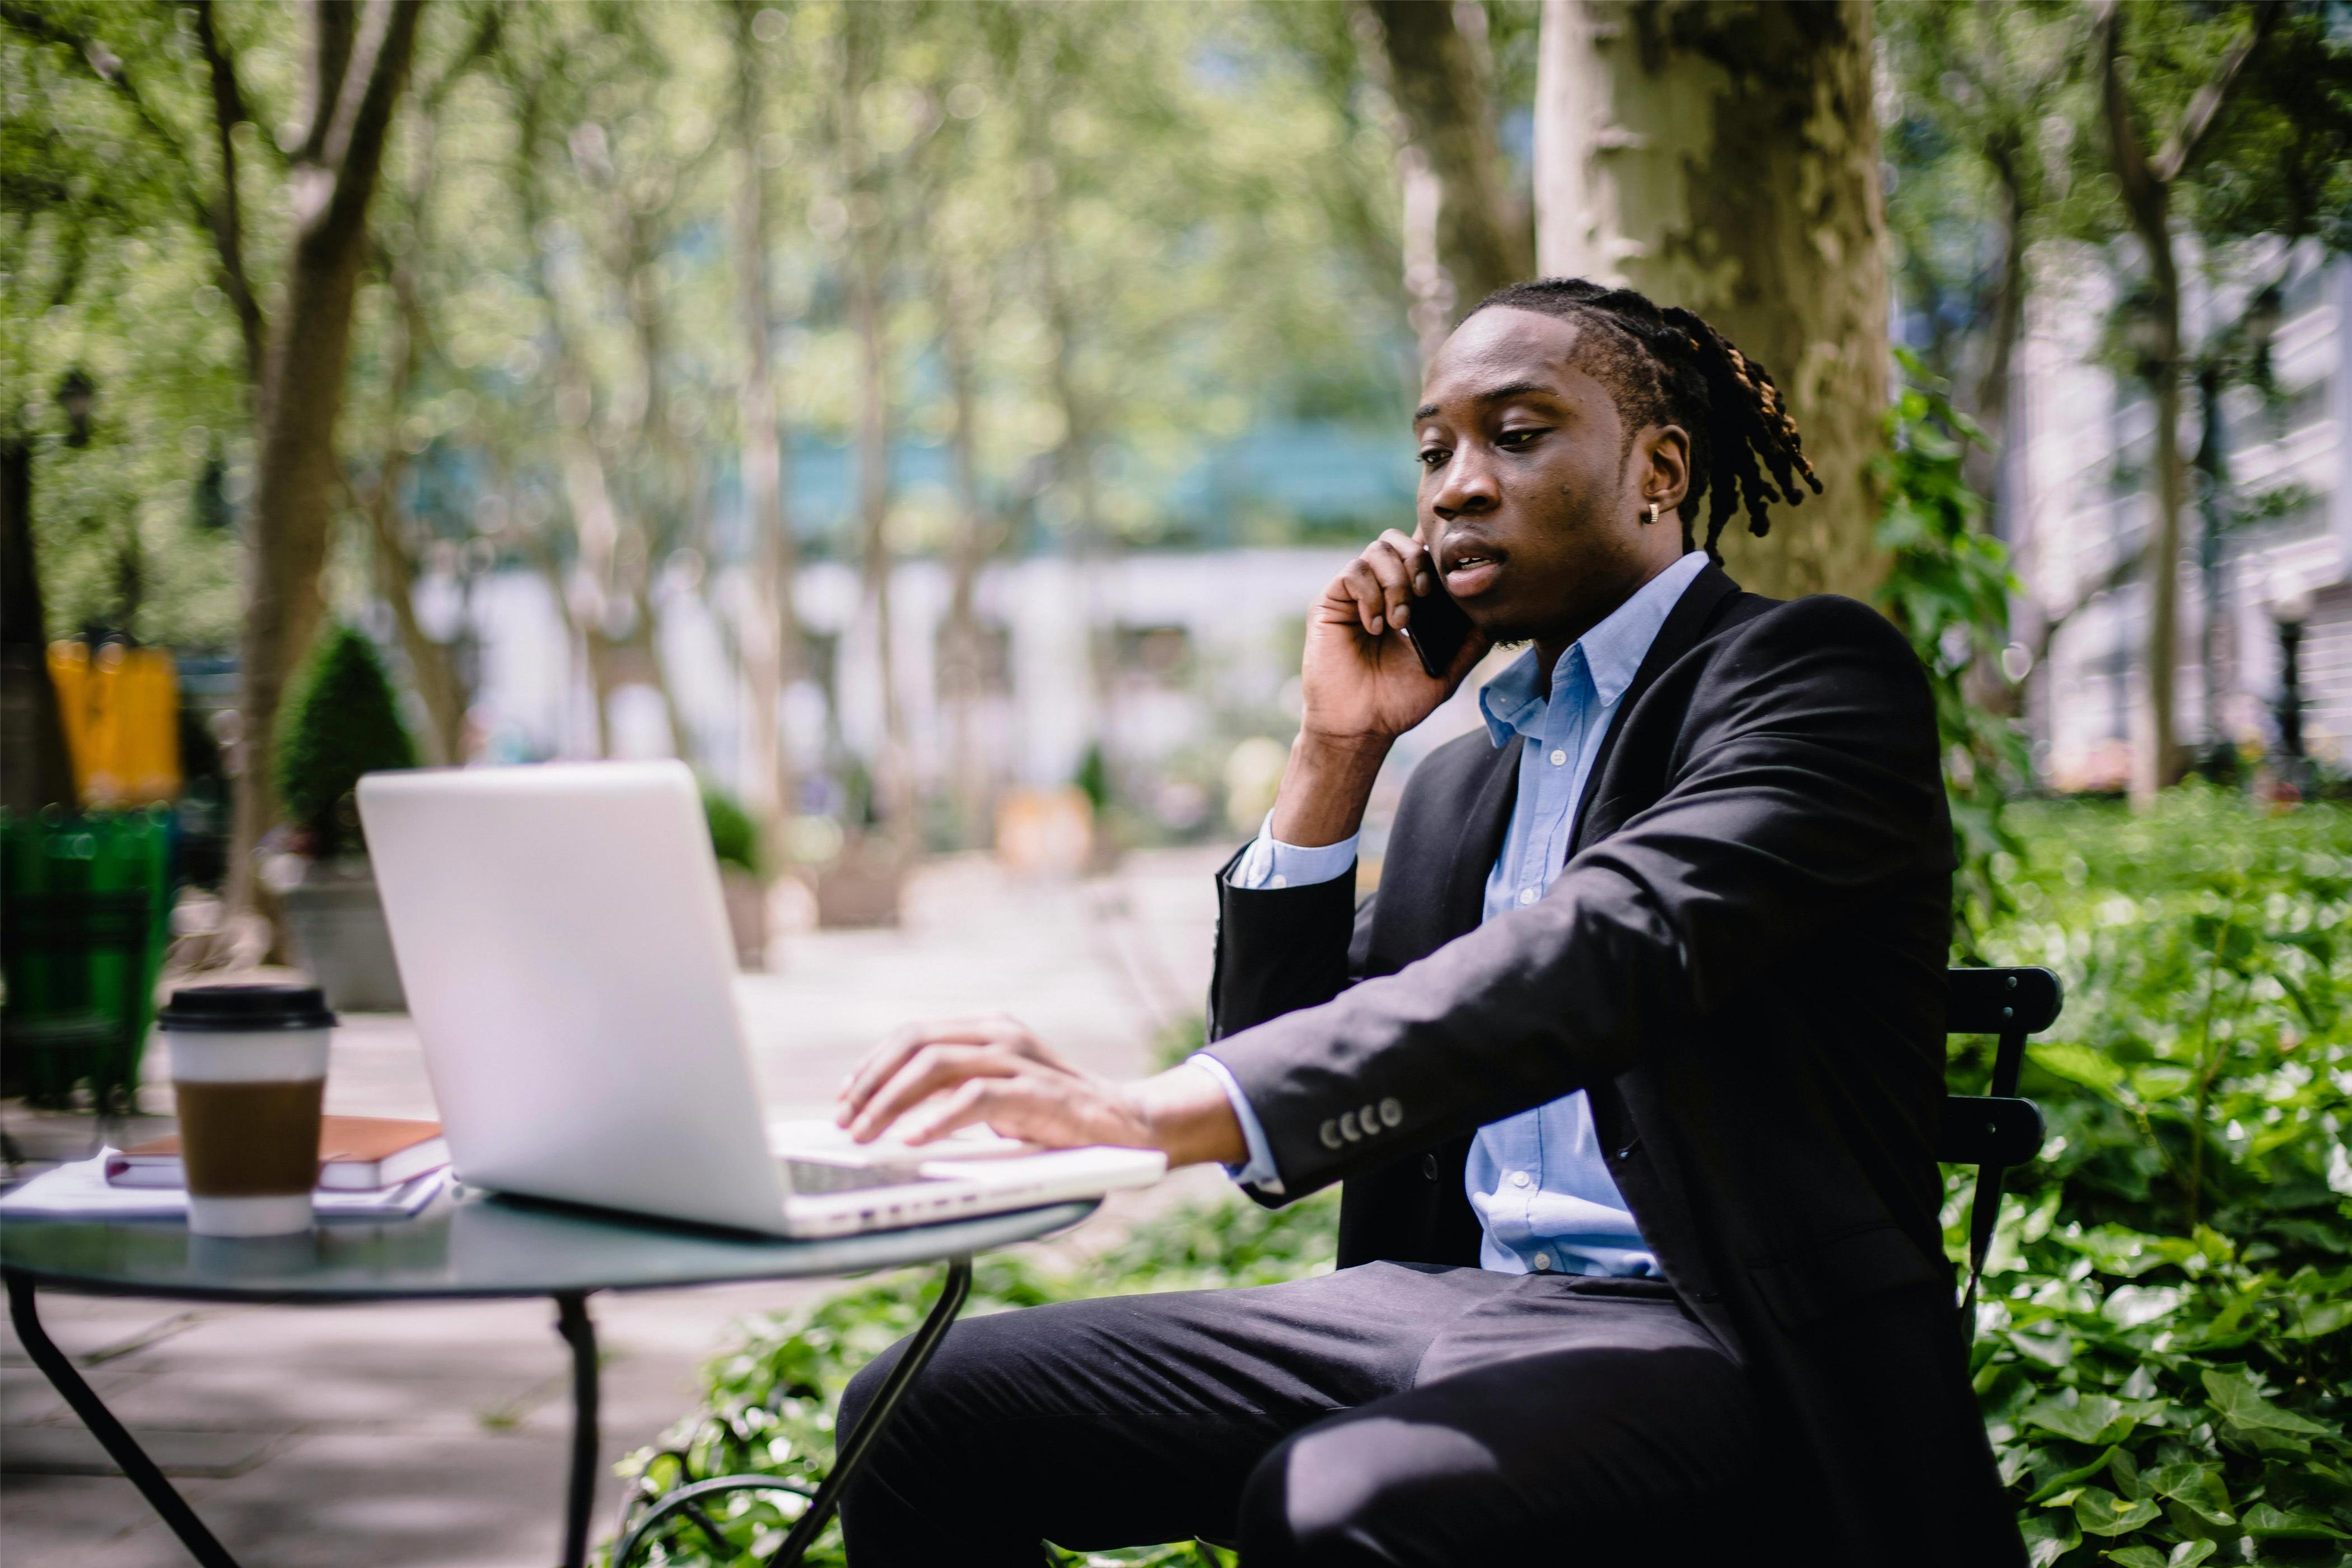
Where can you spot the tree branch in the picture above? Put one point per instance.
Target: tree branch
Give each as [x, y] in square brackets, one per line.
[334, 27]
[2206, 107]
[353, 149]
[224, 218]
[2140, 185]
[487, 29]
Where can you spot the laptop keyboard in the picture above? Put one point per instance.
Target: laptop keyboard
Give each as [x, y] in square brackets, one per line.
[808, 1176]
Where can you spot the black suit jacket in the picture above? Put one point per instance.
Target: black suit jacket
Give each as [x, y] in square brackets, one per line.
[1743, 964]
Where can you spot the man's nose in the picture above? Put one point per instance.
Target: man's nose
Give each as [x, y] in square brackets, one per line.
[1468, 488]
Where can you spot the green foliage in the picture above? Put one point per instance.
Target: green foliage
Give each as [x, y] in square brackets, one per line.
[2163, 1357]
[1949, 589]
[770, 1401]
[340, 721]
[100, 270]
[1094, 778]
[734, 836]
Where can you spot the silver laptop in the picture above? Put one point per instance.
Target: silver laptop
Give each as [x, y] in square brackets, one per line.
[565, 953]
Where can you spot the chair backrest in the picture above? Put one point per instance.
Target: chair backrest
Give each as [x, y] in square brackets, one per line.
[1996, 1130]
[2002, 1001]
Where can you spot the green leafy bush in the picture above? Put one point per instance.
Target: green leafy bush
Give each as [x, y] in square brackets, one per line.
[2164, 1354]
[340, 721]
[1949, 586]
[2163, 1357]
[734, 836]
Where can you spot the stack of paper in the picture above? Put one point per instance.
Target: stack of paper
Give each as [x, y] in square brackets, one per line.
[80, 1191]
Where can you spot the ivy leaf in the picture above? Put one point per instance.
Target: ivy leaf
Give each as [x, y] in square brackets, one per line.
[2097, 1418]
[2197, 1487]
[2089, 1068]
[2323, 1318]
[2243, 1404]
[2100, 1513]
[2048, 1537]
[2129, 1306]
[2186, 1555]
[2049, 1490]
[2299, 1524]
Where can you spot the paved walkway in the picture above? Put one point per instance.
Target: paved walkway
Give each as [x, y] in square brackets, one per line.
[434, 1437]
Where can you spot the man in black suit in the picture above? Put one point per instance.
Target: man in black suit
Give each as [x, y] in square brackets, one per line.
[1631, 1066]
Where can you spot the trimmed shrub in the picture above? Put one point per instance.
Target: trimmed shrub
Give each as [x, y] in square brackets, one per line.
[340, 721]
[734, 836]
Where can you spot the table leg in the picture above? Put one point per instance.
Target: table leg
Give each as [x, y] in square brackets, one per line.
[850, 1452]
[573, 1323]
[111, 1433]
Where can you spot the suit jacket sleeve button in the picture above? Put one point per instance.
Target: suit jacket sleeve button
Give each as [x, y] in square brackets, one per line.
[1429, 1166]
[1390, 1113]
[1330, 1133]
[1348, 1128]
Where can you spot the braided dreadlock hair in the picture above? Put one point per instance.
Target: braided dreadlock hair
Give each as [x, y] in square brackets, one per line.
[1669, 367]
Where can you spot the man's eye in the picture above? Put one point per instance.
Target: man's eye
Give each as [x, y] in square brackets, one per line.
[1433, 457]
[1515, 440]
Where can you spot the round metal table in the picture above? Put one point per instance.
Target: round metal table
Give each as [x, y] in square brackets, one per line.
[476, 1244]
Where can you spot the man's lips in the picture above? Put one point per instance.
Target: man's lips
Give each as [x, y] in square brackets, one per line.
[1470, 569]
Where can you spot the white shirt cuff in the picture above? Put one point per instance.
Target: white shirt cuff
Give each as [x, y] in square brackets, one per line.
[1270, 863]
[1259, 1171]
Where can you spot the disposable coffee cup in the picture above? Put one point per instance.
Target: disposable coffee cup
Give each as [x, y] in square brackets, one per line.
[249, 1070]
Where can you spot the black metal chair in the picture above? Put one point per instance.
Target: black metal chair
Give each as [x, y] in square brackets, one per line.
[1997, 1130]
[88, 1038]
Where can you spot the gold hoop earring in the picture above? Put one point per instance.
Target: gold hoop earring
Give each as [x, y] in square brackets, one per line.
[1652, 515]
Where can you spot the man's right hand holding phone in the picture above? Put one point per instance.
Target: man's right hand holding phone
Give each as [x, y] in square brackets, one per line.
[1362, 686]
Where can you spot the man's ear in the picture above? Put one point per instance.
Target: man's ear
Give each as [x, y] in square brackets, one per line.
[1662, 466]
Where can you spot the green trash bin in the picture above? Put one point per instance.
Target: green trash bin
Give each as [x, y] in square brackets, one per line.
[85, 900]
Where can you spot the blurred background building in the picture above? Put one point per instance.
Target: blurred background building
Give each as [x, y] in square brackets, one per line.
[2269, 567]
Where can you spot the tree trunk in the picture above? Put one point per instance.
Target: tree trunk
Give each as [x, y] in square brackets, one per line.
[1440, 75]
[432, 668]
[35, 767]
[2145, 185]
[2158, 761]
[961, 665]
[893, 782]
[1725, 158]
[2005, 324]
[360, 73]
[769, 634]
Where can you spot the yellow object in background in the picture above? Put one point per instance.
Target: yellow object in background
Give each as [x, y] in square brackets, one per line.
[122, 715]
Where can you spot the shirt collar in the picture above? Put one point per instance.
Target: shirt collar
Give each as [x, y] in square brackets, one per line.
[1613, 651]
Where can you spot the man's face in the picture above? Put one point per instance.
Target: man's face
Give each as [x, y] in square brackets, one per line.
[1529, 498]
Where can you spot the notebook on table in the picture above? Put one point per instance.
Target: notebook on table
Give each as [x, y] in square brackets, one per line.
[356, 1154]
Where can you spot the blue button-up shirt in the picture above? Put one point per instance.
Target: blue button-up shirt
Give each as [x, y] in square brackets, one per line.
[1537, 1181]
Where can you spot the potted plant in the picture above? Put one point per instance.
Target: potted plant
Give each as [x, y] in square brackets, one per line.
[340, 721]
[735, 842]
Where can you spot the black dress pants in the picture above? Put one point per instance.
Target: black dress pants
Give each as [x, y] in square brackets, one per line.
[1388, 1414]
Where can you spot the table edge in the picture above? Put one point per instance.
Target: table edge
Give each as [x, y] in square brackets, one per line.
[80, 1285]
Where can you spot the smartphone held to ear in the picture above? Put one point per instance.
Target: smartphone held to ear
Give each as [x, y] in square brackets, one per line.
[1437, 630]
